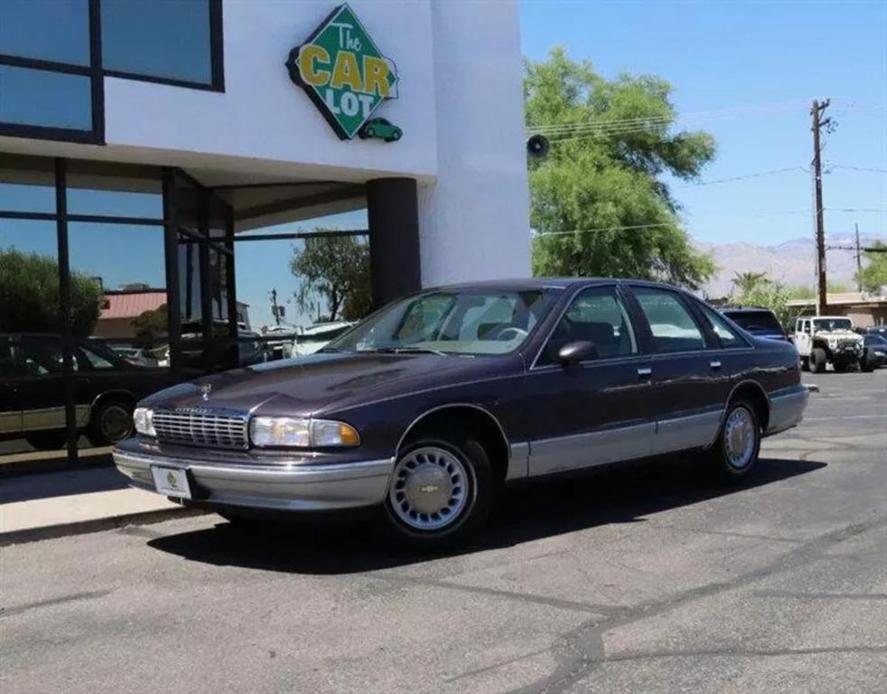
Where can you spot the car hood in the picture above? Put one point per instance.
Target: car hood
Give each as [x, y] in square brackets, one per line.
[310, 384]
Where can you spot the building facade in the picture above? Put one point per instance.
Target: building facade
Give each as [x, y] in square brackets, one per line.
[197, 148]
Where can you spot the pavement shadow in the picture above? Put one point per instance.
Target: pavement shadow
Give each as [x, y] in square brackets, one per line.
[530, 511]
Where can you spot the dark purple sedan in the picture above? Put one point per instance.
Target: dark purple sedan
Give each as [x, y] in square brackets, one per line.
[429, 406]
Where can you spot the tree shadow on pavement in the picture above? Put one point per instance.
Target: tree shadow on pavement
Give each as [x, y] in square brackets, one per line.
[530, 511]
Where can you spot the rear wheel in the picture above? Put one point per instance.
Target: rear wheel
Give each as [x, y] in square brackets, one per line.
[818, 360]
[735, 453]
[440, 492]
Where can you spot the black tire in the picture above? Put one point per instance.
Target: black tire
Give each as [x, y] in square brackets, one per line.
[818, 360]
[722, 459]
[805, 364]
[867, 365]
[479, 490]
[111, 421]
[47, 440]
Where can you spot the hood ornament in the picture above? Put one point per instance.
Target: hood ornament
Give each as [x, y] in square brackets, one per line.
[205, 390]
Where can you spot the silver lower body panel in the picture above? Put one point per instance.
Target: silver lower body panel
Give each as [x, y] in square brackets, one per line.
[787, 408]
[287, 488]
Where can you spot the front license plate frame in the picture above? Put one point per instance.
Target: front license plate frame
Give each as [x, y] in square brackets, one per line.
[171, 481]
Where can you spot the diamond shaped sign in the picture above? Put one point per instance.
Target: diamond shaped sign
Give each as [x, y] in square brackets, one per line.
[345, 74]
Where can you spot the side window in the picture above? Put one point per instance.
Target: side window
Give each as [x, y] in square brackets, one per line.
[95, 360]
[726, 335]
[807, 327]
[598, 316]
[673, 328]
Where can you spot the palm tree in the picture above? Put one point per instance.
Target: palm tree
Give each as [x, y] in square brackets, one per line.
[747, 281]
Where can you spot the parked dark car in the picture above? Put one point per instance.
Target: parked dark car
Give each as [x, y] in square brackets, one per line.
[875, 351]
[429, 405]
[32, 394]
[760, 322]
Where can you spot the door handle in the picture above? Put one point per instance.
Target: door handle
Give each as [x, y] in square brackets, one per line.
[715, 364]
[644, 372]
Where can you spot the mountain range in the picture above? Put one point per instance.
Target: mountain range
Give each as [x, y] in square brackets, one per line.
[792, 262]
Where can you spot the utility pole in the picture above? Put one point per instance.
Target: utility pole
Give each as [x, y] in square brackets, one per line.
[858, 261]
[275, 309]
[821, 284]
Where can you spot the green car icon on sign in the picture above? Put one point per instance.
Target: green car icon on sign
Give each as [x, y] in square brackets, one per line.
[381, 129]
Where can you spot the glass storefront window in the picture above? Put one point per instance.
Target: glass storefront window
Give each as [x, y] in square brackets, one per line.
[46, 99]
[32, 401]
[114, 190]
[164, 38]
[53, 30]
[27, 184]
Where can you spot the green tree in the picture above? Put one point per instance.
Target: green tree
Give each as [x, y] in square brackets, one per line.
[772, 295]
[334, 271]
[149, 325]
[29, 295]
[874, 275]
[599, 179]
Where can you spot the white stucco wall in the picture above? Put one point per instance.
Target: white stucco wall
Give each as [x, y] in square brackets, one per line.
[262, 115]
[475, 220]
[460, 108]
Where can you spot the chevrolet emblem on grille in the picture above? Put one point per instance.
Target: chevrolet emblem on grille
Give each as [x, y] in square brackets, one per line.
[206, 389]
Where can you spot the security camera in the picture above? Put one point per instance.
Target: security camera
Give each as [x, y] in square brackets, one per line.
[537, 146]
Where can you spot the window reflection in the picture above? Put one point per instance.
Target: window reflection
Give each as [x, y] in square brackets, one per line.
[56, 30]
[47, 99]
[163, 38]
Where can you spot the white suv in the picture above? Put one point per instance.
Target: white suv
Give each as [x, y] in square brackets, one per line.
[825, 340]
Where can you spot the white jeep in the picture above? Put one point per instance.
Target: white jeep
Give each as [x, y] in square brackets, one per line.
[825, 340]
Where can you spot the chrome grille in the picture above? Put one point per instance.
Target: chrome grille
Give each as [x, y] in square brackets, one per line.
[202, 427]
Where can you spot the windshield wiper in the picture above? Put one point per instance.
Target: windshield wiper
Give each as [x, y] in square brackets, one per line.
[410, 350]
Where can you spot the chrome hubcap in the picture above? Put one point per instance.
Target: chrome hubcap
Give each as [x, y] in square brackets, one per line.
[739, 437]
[429, 488]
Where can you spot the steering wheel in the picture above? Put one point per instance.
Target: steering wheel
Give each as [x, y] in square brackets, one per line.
[510, 333]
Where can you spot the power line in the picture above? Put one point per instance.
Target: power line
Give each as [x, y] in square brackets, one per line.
[759, 174]
[856, 168]
[617, 228]
[734, 111]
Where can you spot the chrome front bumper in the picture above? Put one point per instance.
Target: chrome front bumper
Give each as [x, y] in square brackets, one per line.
[285, 487]
[787, 408]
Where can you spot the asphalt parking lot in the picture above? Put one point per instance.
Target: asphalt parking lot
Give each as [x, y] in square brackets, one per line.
[640, 579]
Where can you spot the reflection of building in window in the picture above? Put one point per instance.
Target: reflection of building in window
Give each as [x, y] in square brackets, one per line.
[121, 308]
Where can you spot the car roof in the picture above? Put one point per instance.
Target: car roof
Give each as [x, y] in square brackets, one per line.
[744, 309]
[519, 284]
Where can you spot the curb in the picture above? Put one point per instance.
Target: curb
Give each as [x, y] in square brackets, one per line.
[93, 525]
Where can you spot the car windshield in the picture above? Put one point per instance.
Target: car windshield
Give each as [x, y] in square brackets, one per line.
[465, 322]
[754, 320]
[833, 324]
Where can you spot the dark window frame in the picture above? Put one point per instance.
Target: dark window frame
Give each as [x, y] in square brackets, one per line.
[97, 74]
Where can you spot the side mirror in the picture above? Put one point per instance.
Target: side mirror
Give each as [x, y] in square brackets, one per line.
[575, 352]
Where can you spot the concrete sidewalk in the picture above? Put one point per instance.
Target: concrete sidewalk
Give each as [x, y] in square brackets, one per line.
[40, 506]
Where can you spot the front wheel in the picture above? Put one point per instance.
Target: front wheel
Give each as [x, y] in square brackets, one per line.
[818, 360]
[736, 451]
[440, 492]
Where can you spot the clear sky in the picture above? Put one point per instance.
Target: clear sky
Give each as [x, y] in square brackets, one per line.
[746, 72]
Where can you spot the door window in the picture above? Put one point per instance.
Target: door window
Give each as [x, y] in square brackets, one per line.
[726, 335]
[671, 324]
[597, 316]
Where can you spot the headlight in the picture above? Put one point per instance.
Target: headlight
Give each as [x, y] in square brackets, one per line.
[143, 418]
[288, 432]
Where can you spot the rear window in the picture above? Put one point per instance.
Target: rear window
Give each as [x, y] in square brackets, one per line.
[754, 320]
